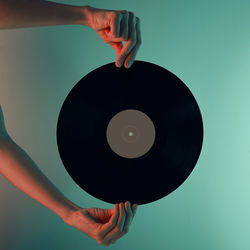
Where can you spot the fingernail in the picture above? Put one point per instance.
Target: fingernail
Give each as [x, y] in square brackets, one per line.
[129, 65]
[118, 64]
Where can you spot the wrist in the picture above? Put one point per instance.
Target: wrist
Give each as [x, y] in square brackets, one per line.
[85, 15]
[75, 15]
[67, 210]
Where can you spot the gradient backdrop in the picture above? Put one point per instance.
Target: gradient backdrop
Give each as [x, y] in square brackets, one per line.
[207, 45]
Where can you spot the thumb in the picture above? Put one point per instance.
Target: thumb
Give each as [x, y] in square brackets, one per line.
[111, 211]
[117, 46]
[88, 216]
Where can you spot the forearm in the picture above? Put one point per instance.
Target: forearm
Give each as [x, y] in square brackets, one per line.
[22, 171]
[30, 13]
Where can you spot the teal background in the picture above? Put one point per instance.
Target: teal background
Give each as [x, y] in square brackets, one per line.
[207, 45]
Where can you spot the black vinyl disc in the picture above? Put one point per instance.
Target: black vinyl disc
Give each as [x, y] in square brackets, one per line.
[129, 134]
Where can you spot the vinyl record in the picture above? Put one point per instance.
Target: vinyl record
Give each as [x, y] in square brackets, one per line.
[129, 134]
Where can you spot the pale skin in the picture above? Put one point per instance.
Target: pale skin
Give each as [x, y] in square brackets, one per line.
[103, 225]
[115, 28]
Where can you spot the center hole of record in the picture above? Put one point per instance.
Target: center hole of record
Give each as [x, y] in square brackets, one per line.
[130, 133]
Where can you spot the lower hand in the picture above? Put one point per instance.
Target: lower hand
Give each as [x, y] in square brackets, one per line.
[103, 225]
[115, 27]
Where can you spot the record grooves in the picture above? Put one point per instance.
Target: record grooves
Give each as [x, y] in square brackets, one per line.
[130, 134]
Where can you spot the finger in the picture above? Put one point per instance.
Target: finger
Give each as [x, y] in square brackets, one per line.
[129, 217]
[108, 226]
[134, 208]
[115, 24]
[111, 224]
[124, 25]
[131, 42]
[131, 57]
[117, 231]
[122, 217]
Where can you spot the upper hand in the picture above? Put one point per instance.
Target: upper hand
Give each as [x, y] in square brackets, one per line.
[104, 225]
[114, 27]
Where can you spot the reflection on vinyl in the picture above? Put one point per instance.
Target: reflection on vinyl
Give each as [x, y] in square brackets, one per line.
[130, 134]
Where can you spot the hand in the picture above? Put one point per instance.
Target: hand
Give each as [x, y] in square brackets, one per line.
[104, 225]
[114, 27]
